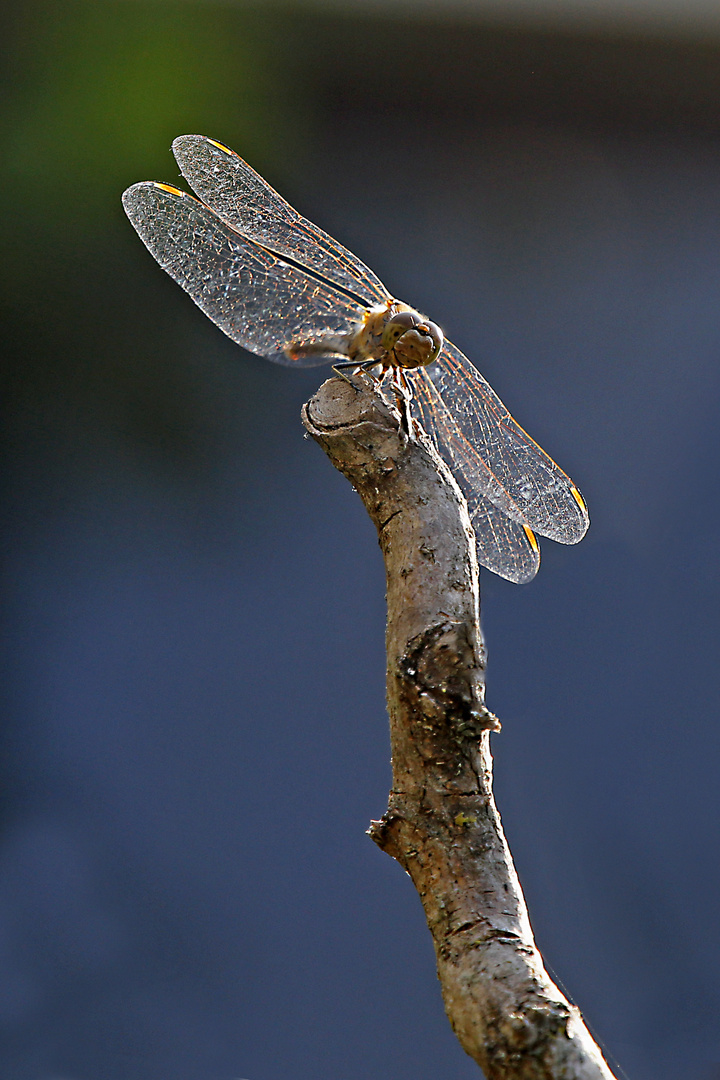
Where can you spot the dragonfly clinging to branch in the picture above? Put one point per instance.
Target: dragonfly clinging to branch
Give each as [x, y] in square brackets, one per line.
[281, 287]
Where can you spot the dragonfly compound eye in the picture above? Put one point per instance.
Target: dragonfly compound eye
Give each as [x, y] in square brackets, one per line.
[397, 326]
[411, 340]
[436, 336]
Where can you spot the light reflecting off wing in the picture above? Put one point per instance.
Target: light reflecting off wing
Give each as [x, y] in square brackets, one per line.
[240, 196]
[503, 546]
[545, 496]
[440, 423]
[256, 298]
[505, 543]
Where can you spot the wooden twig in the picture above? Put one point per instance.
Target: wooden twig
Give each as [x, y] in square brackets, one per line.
[442, 824]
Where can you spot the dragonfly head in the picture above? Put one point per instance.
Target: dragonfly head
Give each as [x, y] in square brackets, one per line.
[411, 340]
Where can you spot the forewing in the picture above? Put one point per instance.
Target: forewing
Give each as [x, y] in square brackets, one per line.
[545, 496]
[256, 298]
[505, 542]
[240, 196]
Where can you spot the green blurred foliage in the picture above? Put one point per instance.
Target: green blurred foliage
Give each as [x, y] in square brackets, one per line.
[92, 93]
[95, 93]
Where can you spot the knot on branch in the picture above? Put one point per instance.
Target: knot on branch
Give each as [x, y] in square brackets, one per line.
[384, 832]
[443, 676]
[518, 1036]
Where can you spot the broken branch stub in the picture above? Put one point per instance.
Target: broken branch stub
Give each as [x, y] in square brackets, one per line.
[442, 824]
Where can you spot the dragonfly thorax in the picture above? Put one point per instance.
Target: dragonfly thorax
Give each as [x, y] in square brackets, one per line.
[397, 336]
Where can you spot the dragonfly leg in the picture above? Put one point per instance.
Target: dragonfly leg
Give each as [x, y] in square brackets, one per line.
[352, 365]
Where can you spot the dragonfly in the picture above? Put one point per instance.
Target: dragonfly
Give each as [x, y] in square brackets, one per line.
[282, 288]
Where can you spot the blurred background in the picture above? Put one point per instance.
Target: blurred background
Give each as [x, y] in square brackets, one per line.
[194, 736]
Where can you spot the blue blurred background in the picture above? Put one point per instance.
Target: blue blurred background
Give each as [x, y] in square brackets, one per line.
[193, 732]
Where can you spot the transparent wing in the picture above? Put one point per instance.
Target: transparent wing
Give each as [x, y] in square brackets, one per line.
[245, 201]
[256, 298]
[503, 546]
[526, 483]
[505, 543]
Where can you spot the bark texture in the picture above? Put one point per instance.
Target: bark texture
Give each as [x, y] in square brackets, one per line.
[442, 824]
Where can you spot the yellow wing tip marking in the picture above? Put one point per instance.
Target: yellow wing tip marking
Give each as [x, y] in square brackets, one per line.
[168, 187]
[532, 539]
[578, 499]
[220, 146]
